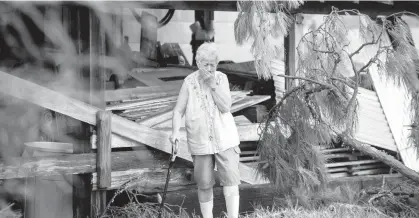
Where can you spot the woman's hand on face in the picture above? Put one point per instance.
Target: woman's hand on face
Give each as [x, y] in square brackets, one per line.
[209, 78]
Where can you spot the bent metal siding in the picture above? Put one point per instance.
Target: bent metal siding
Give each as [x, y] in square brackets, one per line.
[373, 127]
[395, 101]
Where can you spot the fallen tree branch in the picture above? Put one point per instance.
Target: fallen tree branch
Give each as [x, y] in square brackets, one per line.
[385, 158]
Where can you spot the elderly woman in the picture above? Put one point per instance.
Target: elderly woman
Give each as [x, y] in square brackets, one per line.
[212, 135]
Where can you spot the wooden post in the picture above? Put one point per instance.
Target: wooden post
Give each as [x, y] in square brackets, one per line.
[104, 148]
[74, 18]
[97, 95]
[103, 160]
[289, 57]
[290, 45]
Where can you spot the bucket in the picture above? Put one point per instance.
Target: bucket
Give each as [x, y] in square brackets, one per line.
[48, 196]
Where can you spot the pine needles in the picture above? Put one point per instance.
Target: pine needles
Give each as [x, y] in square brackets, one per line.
[263, 22]
[322, 103]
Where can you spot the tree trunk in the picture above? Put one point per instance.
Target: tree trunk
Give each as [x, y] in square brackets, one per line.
[385, 158]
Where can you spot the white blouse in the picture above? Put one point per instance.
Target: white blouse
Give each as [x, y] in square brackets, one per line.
[208, 130]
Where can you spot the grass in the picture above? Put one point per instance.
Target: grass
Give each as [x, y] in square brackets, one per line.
[334, 210]
[337, 210]
[341, 202]
[134, 210]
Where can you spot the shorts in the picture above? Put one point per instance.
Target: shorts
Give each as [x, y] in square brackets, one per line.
[227, 164]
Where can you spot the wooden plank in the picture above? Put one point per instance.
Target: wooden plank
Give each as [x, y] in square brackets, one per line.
[130, 105]
[343, 155]
[148, 109]
[249, 101]
[239, 102]
[104, 149]
[118, 141]
[352, 169]
[350, 163]
[46, 98]
[163, 116]
[334, 150]
[251, 158]
[103, 161]
[139, 114]
[369, 166]
[248, 153]
[371, 172]
[338, 169]
[248, 132]
[338, 175]
[144, 92]
[81, 164]
[148, 80]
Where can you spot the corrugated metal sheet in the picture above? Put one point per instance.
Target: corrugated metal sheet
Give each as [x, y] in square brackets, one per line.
[394, 105]
[373, 127]
[395, 101]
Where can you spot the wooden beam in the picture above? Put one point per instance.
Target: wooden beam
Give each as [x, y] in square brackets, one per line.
[290, 45]
[80, 164]
[149, 180]
[179, 5]
[140, 168]
[372, 8]
[46, 98]
[247, 133]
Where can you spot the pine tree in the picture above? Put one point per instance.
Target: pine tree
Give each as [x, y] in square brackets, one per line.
[321, 105]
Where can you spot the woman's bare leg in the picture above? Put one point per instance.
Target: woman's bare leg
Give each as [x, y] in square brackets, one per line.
[232, 198]
[206, 203]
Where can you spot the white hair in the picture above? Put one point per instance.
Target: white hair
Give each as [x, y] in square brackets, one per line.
[207, 51]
